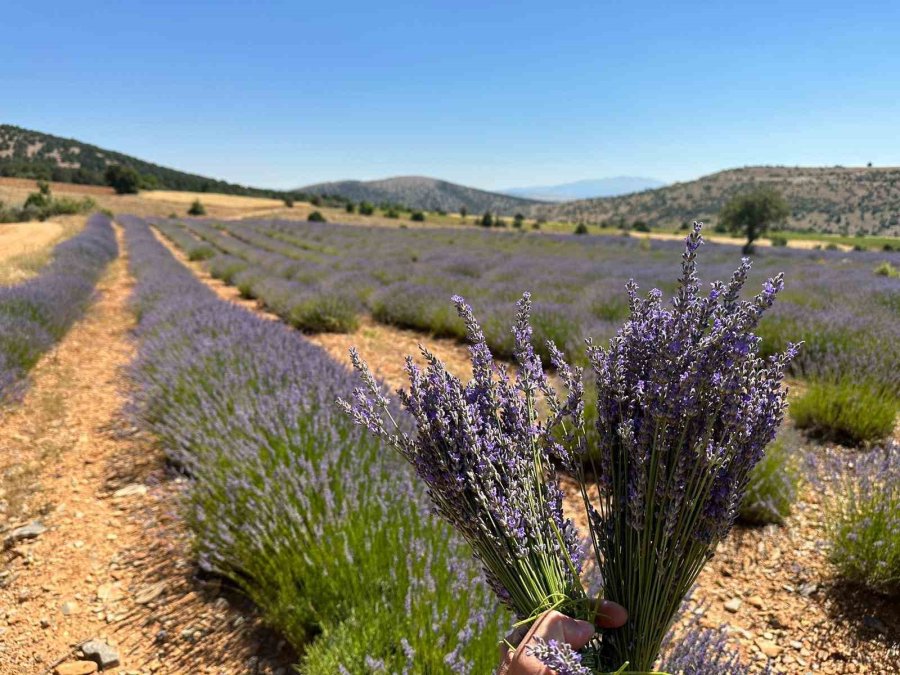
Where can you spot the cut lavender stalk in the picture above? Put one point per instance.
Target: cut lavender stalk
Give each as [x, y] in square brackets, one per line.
[486, 459]
[685, 408]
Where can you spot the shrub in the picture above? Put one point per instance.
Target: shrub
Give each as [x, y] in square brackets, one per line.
[326, 312]
[845, 411]
[832, 247]
[581, 228]
[772, 487]
[366, 209]
[350, 207]
[885, 269]
[778, 240]
[518, 221]
[640, 226]
[391, 213]
[197, 209]
[123, 179]
[201, 252]
[289, 201]
[487, 220]
[316, 217]
[863, 522]
[417, 217]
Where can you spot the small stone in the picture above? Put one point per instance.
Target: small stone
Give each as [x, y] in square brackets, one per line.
[109, 592]
[733, 605]
[756, 601]
[100, 653]
[45, 622]
[134, 489]
[796, 644]
[31, 531]
[768, 648]
[69, 608]
[808, 589]
[149, 593]
[76, 668]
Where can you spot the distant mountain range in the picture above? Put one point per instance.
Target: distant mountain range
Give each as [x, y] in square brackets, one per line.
[842, 200]
[585, 189]
[420, 192]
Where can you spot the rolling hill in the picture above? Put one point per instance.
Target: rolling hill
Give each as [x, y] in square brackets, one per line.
[835, 199]
[419, 192]
[33, 154]
[586, 189]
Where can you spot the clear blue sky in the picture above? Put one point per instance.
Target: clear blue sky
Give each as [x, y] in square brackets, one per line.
[491, 94]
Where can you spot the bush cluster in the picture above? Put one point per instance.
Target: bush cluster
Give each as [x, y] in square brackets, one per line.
[845, 411]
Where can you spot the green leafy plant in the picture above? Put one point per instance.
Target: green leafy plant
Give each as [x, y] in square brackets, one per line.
[772, 487]
[846, 411]
[197, 208]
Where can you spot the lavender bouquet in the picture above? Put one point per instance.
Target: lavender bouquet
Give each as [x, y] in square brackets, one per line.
[487, 461]
[685, 408]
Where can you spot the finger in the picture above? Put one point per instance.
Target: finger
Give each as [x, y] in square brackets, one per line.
[610, 614]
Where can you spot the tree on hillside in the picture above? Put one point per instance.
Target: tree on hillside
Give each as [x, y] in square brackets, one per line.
[487, 220]
[123, 179]
[753, 213]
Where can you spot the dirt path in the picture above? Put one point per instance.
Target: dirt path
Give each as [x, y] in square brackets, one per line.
[19, 238]
[113, 562]
[789, 608]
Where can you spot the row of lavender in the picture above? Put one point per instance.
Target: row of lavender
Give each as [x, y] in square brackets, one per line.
[35, 314]
[313, 520]
[322, 277]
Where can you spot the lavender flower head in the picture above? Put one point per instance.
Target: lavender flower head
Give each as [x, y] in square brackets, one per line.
[685, 408]
[486, 459]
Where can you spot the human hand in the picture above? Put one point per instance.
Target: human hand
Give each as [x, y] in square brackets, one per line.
[552, 625]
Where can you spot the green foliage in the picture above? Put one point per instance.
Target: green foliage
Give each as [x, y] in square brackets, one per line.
[846, 411]
[391, 213]
[197, 209]
[325, 312]
[350, 207]
[518, 221]
[123, 179]
[640, 226]
[772, 488]
[863, 524]
[752, 213]
[42, 204]
[778, 240]
[316, 217]
[581, 228]
[417, 217]
[487, 220]
[366, 209]
[885, 269]
[289, 201]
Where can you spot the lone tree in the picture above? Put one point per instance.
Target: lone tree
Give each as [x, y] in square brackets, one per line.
[123, 179]
[753, 213]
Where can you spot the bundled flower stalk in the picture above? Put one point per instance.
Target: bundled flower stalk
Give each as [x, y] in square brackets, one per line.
[486, 459]
[685, 408]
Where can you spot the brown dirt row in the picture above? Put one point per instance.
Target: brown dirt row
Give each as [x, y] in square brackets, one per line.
[114, 562]
[789, 610]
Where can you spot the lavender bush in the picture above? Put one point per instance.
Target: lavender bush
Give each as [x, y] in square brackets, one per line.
[35, 314]
[685, 408]
[771, 487]
[319, 526]
[864, 521]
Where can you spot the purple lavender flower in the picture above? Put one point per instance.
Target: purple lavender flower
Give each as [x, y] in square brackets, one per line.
[558, 656]
[685, 408]
[485, 457]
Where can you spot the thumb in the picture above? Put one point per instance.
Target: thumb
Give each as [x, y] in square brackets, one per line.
[577, 633]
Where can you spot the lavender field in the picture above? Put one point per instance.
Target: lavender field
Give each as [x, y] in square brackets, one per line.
[323, 277]
[326, 278]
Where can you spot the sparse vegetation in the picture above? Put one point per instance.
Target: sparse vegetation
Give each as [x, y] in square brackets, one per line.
[197, 208]
[316, 217]
[772, 488]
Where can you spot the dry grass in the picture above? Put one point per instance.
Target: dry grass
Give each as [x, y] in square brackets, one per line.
[211, 199]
